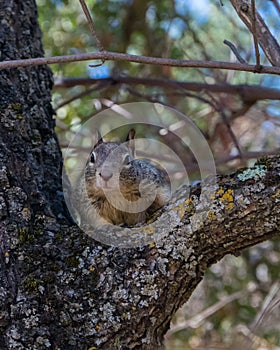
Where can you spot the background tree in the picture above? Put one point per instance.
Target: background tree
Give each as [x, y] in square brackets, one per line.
[61, 289]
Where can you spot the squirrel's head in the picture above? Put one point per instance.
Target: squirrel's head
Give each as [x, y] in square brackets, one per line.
[107, 160]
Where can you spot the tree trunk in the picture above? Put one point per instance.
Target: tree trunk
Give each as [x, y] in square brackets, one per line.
[59, 288]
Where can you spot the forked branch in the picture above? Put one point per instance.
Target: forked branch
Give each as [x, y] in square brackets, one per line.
[257, 26]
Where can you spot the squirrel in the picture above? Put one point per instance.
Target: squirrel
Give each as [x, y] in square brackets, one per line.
[118, 188]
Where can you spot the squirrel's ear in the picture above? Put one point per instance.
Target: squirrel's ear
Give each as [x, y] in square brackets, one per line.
[98, 137]
[131, 142]
[131, 135]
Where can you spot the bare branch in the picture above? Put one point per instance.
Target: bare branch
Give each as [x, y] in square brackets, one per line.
[91, 25]
[196, 320]
[254, 32]
[99, 87]
[247, 155]
[277, 6]
[265, 38]
[116, 56]
[220, 110]
[269, 303]
[234, 50]
[249, 93]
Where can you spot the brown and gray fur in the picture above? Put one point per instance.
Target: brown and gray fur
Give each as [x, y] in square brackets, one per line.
[115, 183]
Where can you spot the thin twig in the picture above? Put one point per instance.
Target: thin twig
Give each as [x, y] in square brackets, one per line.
[91, 26]
[234, 50]
[191, 166]
[247, 156]
[254, 32]
[97, 65]
[196, 320]
[116, 56]
[215, 104]
[99, 87]
[267, 305]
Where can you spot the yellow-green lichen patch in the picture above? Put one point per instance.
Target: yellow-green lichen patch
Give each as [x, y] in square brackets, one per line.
[148, 229]
[24, 236]
[220, 192]
[180, 209]
[31, 284]
[15, 106]
[190, 205]
[255, 173]
[72, 261]
[276, 195]
[226, 197]
[211, 216]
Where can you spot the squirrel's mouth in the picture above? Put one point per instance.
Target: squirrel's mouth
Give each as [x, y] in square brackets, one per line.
[107, 185]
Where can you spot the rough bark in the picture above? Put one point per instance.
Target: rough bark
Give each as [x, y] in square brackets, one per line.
[60, 289]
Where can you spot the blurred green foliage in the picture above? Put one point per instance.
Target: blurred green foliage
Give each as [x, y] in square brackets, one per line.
[175, 29]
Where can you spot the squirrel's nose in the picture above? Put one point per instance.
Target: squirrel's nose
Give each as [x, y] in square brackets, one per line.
[106, 174]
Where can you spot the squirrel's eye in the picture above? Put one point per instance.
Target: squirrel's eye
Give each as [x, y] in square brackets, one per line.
[127, 159]
[92, 157]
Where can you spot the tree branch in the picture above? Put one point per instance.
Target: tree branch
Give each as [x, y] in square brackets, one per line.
[99, 86]
[249, 93]
[91, 25]
[235, 51]
[255, 37]
[277, 6]
[115, 56]
[60, 288]
[196, 320]
[242, 211]
[252, 19]
[99, 295]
